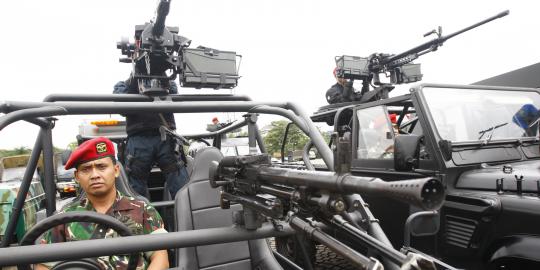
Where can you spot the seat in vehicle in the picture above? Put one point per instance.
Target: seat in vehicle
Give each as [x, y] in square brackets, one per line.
[197, 207]
[122, 185]
[189, 169]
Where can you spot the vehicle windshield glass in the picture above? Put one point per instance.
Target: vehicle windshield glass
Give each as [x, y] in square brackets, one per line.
[64, 175]
[243, 149]
[483, 115]
[375, 134]
[228, 151]
[14, 174]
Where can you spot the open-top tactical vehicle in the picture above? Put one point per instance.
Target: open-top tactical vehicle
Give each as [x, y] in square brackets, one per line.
[201, 235]
[230, 205]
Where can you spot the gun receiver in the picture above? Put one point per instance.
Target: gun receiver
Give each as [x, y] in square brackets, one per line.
[304, 199]
[398, 67]
[159, 55]
[253, 174]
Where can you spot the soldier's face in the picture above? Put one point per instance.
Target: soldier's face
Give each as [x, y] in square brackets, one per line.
[341, 81]
[97, 177]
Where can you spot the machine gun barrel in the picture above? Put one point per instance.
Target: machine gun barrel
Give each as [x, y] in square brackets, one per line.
[161, 14]
[435, 43]
[425, 193]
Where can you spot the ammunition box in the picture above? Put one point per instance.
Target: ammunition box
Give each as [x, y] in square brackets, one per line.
[209, 68]
[352, 67]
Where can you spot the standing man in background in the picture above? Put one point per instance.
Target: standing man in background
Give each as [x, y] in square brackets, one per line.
[145, 147]
[342, 91]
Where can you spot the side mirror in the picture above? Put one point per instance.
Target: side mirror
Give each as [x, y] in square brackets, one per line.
[65, 156]
[406, 152]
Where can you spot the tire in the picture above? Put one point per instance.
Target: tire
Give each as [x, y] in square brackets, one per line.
[322, 257]
[289, 247]
[327, 259]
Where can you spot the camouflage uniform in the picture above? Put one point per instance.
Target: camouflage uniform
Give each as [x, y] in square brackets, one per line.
[33, 203]
[138, 216]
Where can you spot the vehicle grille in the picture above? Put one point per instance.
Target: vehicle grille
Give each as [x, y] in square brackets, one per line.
[459, 231]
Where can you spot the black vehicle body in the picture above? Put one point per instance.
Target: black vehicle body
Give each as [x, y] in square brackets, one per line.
[485, 222]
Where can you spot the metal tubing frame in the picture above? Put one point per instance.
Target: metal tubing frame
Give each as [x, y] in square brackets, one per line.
[132, 97]
[371, 242]
[357, 259]
[252, 130]
[217, 133]
[305, 156]
[125, 245]
[33, 111]
[24, 110]
[48, 171]
[284, 260]
[259, 138]
[283, 142]
[374, 228]
[408, 222]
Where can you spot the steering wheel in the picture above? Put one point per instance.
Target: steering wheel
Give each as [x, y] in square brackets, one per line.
[78, 216]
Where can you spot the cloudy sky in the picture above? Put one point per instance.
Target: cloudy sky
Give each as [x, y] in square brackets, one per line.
[288, 47]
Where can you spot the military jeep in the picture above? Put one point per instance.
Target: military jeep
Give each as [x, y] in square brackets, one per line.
[12, 170]
[482, 142]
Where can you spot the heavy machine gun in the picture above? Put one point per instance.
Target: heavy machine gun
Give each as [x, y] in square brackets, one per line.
[398, 67]
[159, 54]
[310, 200]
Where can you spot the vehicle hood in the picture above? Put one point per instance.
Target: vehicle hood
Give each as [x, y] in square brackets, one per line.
[485, 178]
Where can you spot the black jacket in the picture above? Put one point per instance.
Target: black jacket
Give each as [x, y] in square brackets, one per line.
[144, 123]
[338, 94]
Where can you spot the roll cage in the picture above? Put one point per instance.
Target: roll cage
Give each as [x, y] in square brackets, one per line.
[42, 114]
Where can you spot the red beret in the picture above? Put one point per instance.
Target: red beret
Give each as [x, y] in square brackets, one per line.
[393, 118]
[90, 150]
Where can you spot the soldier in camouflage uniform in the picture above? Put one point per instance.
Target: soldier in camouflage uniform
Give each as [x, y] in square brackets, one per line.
[96, 171]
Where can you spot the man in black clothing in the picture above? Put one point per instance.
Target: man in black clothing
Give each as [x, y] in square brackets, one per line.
[145, 147]
[342, 91]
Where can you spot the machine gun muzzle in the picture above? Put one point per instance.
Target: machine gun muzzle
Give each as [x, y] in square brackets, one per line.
[425, 193]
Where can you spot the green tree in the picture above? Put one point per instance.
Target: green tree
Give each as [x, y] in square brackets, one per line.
[296, 139]
[22, 150]
[72, 146]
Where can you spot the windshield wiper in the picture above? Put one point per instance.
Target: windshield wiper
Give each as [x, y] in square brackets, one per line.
[491, 130]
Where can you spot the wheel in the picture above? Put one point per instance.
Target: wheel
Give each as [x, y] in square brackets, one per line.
[290, 247]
